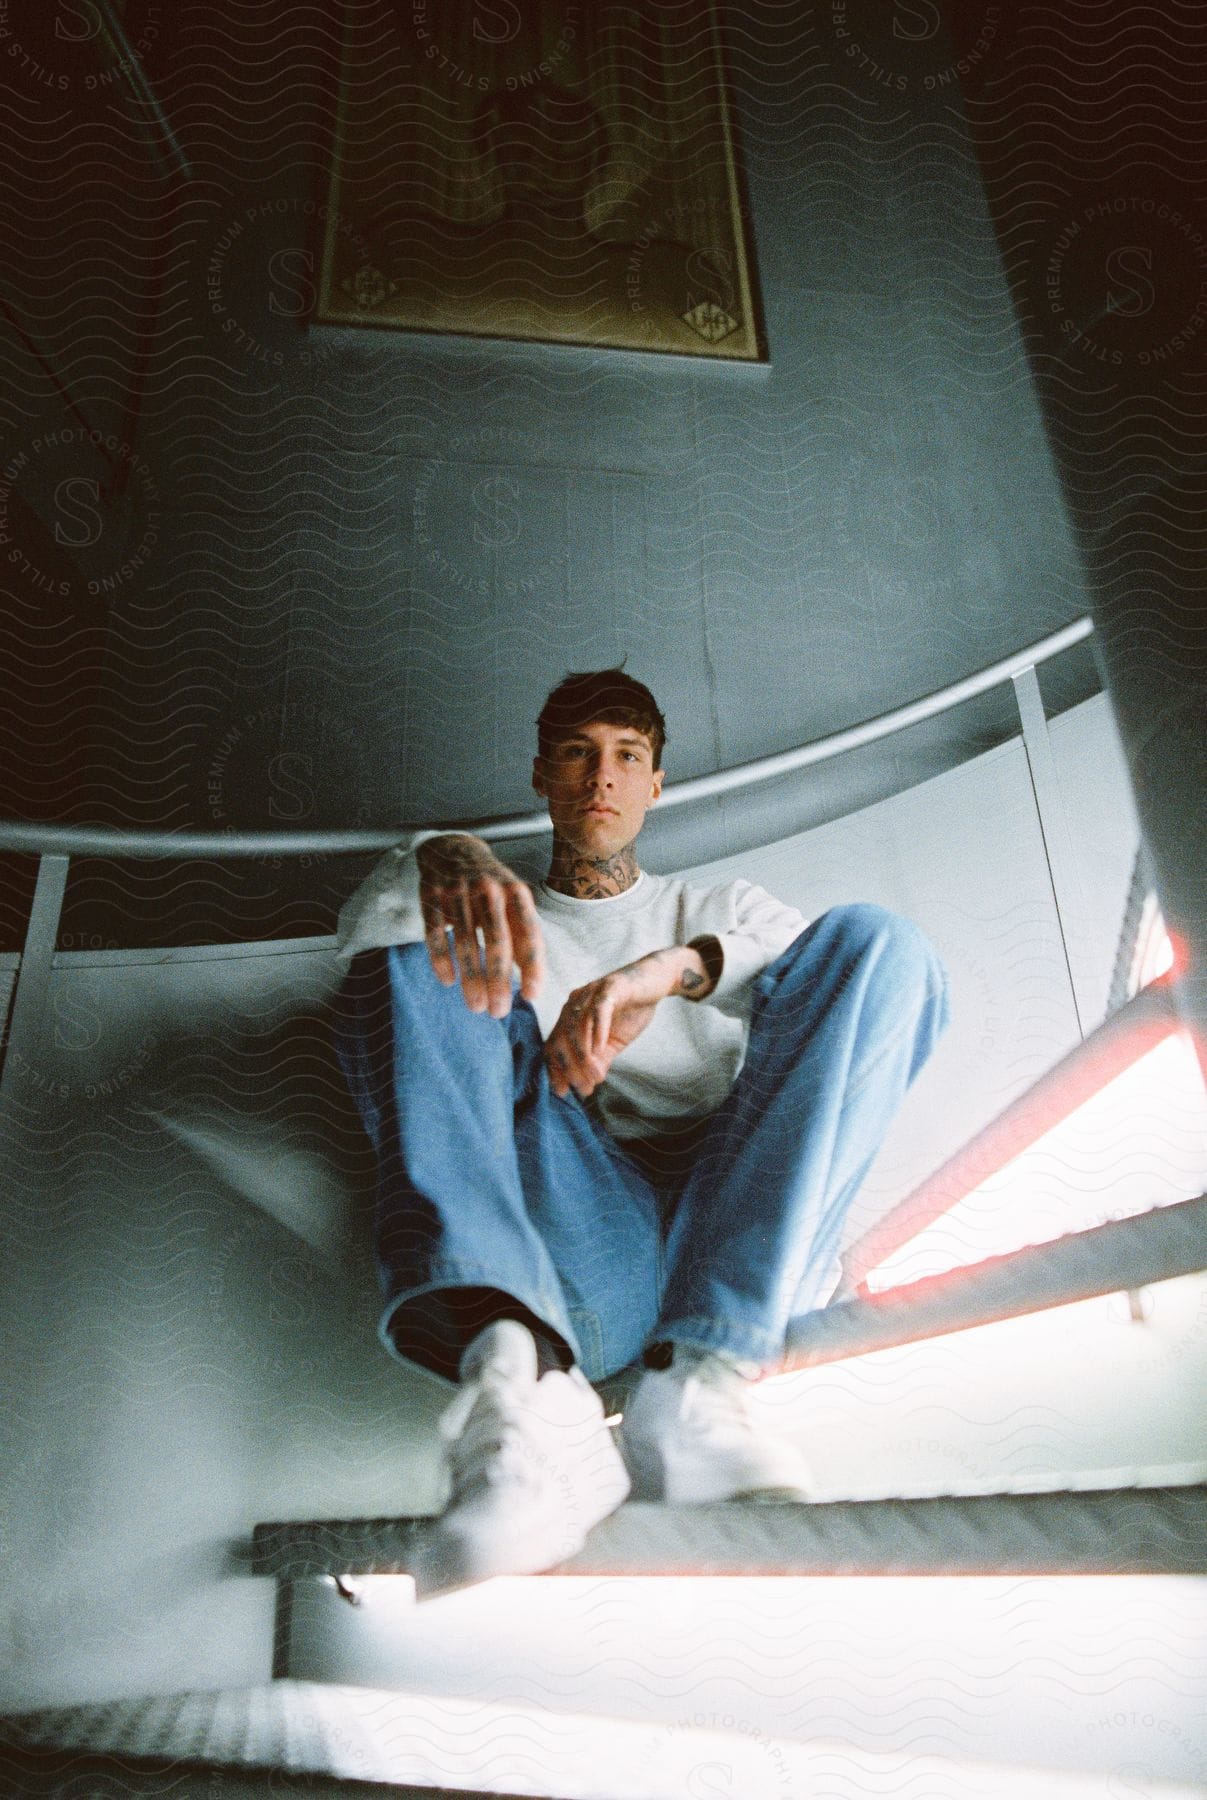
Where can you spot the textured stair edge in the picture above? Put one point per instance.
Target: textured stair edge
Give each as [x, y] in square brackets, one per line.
[306, 1737]
[83, 1774]
[288, 1735]
[1162, 1244]
[1112, 1531]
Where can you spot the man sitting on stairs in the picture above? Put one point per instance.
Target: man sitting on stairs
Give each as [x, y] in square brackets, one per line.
[637, 1156]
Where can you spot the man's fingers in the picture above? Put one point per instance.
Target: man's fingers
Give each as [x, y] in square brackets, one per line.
[459, 910]
[561, 1073]
[602, 1024]
[480, 903]
[490, 912]
[574, 1027]
[527, 941]
[597, 1021]
[572, 1051]
[571, 1070]
[589, 1015]
[435, 936]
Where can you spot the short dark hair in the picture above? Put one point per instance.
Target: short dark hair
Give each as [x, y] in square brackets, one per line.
[605, 697]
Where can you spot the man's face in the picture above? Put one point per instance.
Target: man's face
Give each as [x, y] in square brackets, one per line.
[600, 782]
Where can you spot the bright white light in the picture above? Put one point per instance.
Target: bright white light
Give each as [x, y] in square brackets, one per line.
[1162, 960]
[1140, 1142]
[636, 1688]
[516, 1750]
[1154, 954]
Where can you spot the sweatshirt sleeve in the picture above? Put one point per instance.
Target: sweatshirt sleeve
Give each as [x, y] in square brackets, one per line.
[761, 930]
[385, 907]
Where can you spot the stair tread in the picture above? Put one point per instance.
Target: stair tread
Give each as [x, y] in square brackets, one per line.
[328, 1738]
[281, 1728]
[1149, 1530]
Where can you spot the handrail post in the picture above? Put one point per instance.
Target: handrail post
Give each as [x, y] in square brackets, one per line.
[27, 1015]
[1063, 874]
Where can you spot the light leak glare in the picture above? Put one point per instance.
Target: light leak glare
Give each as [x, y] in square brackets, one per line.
[1140, 1142]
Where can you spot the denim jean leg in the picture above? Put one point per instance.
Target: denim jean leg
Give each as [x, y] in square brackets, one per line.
[485, 1178]
[841, 1024]
[599, 1216]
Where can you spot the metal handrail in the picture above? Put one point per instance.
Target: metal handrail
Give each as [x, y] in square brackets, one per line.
[100, 840]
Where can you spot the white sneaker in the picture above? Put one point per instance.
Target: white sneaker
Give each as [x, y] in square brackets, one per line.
[531, 1463]
[689, 1438]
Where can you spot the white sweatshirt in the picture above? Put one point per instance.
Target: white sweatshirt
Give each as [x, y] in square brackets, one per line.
[687, 1058]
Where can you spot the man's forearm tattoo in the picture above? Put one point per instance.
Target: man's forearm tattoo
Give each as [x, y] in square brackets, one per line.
[688, 982]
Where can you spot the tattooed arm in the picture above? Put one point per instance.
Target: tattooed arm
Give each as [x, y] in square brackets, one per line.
[601, 1018]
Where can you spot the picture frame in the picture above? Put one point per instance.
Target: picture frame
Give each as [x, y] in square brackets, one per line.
[567, 173]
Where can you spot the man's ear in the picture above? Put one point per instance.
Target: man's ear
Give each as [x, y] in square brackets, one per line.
[659, 777]
[538, 777]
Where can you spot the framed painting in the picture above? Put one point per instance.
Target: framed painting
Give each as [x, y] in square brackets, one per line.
[540, 169]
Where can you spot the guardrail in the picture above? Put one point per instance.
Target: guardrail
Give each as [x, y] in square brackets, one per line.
[99, 840]
[56, 844]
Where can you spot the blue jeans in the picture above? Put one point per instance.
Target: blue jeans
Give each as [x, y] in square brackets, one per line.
[487, 1179]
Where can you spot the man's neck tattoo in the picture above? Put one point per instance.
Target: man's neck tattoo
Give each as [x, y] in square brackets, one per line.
[591, 877]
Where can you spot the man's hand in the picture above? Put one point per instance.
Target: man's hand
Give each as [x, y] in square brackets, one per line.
[462, 883]
[599, 1020]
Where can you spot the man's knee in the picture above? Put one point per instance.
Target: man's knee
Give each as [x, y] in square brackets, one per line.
[865, 928]
[381, 980]
[410, 962]
[371, 973]
[854, 933]
[412, 975]
[418, 991]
